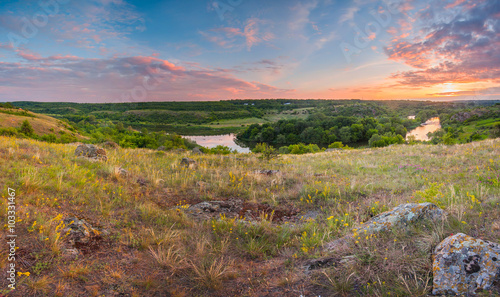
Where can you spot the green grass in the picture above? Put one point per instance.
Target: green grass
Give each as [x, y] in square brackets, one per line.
[155, 248]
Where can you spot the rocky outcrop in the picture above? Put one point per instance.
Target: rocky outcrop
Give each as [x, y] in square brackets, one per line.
[400, 216]
[91, 152]
[463, 265]
[464, 116]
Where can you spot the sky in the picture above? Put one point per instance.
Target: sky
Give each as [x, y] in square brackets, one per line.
[132, 50]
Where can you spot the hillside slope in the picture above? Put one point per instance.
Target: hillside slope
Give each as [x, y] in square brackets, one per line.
[148, 236]
[41, 124]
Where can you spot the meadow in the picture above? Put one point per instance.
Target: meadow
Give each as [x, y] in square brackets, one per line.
[152, 243]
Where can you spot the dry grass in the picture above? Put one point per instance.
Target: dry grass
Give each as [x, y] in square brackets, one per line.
[212, 272]
[151, 248]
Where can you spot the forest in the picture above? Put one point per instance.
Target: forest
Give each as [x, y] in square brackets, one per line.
[278, 123]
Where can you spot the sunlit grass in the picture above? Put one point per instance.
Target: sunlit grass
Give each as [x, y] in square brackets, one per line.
[150, 235]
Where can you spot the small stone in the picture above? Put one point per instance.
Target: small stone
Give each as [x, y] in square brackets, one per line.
[120, 171]
[79, 231]
[142, 181]
[188, 162]
[267, 172]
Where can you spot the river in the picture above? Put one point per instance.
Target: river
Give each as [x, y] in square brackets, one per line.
[215, 140]
[420, 132]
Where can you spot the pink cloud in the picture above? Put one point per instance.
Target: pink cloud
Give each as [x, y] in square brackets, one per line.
[71, 78]
[463, 49]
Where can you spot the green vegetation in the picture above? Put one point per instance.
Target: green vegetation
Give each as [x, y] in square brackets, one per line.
[154, 242]
[322, 130]
[279, 123]
[470, 124]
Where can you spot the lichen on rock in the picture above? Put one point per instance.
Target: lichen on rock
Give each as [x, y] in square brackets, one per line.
[463, 265]
[91, 152]
[399, 216]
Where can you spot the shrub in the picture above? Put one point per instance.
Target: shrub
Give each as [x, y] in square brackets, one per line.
[385, 140]
[26, 128]
[11, 131]
[301, 148]
[220, 150]
[337, 144]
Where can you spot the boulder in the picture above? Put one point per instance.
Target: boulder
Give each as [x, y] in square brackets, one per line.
[188, 162]
[197, 151]
[463, 265]
[400, 216]
[162, 148]
[90, 151]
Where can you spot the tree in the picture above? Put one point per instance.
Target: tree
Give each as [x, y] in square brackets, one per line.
[345, 134]
[119, 127]
[26, 128]
[356, 132]
[267, 134]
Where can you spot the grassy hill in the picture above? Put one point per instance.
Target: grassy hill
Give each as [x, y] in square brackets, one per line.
[150, 242]
[42, 124]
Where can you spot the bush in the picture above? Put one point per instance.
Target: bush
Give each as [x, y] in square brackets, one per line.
[26, 128]
[11, 131]
[268, 152]
[49, 138]
[337, 144]
[385, 140]
[301, 148]
[284, 150]
[220, 150]
[259, 148]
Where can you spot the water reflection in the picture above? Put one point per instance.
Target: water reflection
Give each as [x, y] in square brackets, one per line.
[215, 140]
[420, 132]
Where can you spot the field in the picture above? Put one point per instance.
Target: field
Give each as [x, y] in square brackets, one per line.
[152, 243]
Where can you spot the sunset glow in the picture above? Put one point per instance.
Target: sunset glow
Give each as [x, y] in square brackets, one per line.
[131, 50]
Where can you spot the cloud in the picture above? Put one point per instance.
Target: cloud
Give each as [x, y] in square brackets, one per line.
[463, 47]
[229, 37]
[492, 91]
[71, 78]
[348, 15]
[6, 46]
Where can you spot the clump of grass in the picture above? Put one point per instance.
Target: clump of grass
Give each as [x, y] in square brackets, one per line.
[211, 272]
[169, 258]
[75, 270]
[38, 285]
